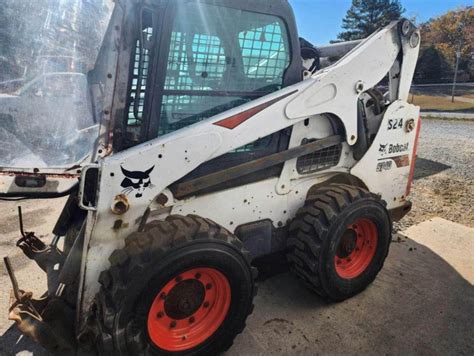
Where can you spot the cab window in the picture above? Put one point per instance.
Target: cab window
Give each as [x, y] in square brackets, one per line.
[220, 58]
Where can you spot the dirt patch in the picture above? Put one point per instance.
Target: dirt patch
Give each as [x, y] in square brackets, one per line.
[441, 195]
[10, 223]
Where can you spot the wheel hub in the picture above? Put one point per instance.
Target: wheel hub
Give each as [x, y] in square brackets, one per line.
[347, 244]
[356, 249]
[184, 299]
[189, 309]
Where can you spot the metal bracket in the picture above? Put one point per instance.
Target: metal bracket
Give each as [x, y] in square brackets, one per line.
[21, 297]
[82, 184]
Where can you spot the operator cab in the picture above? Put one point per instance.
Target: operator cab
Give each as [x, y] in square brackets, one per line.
[210, 56]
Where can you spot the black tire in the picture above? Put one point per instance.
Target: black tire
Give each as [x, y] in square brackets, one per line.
[316, 236]
[153, 257]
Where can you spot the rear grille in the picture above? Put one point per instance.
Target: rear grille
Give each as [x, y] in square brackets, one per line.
[319, 160]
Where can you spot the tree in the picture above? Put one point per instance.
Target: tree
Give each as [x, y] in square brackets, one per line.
[441, 37]
[366, 16]
[449, 33]
[431, 66]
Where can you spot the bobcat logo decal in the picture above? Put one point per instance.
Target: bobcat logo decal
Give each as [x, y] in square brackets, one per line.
[136, 181]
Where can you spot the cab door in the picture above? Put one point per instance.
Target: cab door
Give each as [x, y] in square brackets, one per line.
[212, 56]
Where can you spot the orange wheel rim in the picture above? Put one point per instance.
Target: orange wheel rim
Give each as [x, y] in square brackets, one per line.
[356, 249]
[189, 309]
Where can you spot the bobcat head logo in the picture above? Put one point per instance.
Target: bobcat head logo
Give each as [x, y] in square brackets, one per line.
[383, 148]
[136, 181]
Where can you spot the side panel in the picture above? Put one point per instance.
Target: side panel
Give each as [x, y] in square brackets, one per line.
[385, 168]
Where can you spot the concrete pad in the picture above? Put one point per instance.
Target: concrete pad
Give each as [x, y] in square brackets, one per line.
[451, 241]
[419, 304]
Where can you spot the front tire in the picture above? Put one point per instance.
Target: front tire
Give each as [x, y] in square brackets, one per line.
[182, 286]
[339, 240]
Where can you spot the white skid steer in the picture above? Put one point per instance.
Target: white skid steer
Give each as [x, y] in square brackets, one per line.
[193, 138]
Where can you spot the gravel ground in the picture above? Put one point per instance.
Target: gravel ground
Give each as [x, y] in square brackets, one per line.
[444, 174]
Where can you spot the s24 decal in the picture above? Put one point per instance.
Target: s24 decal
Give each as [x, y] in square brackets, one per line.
[395, 124]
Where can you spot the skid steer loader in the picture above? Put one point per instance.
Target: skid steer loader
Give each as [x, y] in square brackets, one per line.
[192, 139]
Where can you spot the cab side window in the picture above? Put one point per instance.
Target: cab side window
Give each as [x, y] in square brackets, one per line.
[264, 54]
[220, 58]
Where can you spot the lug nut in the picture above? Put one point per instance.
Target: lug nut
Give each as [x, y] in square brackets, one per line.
[192, 320]
[173, 324]
[197, 275]
[208, 286]
[160, 315]
[206, 304]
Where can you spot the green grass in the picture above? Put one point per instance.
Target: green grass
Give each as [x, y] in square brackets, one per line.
[439, 103]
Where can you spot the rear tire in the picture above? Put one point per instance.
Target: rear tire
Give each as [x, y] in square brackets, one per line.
[182, 286]
[339, 240]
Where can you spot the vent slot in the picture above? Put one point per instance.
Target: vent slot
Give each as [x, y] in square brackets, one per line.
[319, 160]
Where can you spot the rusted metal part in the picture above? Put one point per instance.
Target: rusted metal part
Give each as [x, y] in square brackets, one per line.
[241, 170]
[162, 199]
[398, 213]
[47, 321]
[120, 205]
[31, 326]
[410, 125]
[402, 161]
[35, 249]
[52, 330]
[105, 150]
[35, 174]
[11, 274]
[21, 297]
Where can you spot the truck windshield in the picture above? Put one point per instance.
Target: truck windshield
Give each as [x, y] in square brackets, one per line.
[47, 49]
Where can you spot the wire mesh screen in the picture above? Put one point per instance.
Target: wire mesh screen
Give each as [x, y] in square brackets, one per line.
[264, 52]
[139, 80]
[230, 56]
[319, 160]
[196, 64]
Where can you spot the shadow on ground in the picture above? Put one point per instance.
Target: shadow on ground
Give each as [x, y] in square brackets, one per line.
[12, 342]
[426, 167]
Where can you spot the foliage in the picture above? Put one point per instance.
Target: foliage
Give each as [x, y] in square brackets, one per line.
[366, 16]
[431, 66]
[441, 38]
[449, 32]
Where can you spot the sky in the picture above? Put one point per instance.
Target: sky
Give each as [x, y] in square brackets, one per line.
[319, 21]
